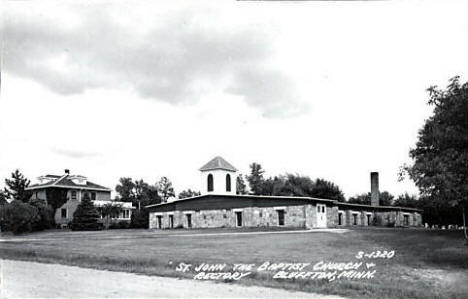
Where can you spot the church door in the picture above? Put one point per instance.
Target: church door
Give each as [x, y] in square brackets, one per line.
[321, 215]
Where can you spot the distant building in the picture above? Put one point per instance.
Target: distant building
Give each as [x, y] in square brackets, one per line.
[75, 188]
[219, 206]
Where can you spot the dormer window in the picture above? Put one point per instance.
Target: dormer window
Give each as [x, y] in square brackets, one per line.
[228, 182]
[210, 182]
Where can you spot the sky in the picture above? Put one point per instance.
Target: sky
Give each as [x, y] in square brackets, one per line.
[145, 89]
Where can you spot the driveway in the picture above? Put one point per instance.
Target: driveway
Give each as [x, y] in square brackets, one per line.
[37, 280]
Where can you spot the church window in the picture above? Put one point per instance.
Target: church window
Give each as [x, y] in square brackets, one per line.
[228, 182]
[210, 182]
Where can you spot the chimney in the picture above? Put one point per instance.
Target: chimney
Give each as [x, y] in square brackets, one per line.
[67, 171]
[374, 176]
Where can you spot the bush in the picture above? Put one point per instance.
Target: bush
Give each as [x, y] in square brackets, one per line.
[46, 216]
[140, 219]
[86, 216]
[119, 225]
[19, 217]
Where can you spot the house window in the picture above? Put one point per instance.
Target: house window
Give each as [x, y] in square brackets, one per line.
[228, 182]
[171, 221]
[280, 217]
[93, 195]
[210, 182]
[340, 218]
[159, 221]
[406, 220]
[63, 213]
[73, 195]
[238, 218]
[127, 213]
[189, 220]
[354, 219]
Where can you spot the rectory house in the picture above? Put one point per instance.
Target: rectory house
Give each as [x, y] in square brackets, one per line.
[219, 206]
[74, 188]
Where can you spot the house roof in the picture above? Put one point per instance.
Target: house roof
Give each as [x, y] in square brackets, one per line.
[218, 163]
[66, 182]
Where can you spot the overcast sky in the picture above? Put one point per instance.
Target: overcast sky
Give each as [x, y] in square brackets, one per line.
[149, 89]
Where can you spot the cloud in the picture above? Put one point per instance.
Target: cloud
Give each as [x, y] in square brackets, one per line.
[175, 59]
[76, 154]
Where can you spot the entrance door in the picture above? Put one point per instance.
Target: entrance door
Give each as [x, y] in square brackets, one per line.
[321, 215]
[238, 218]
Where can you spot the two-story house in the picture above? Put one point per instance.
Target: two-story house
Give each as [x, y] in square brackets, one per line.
[75, 188]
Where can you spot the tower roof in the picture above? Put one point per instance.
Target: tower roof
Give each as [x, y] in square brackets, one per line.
[218, 163]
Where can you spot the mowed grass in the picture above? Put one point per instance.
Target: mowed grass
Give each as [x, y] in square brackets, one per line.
[427, 264]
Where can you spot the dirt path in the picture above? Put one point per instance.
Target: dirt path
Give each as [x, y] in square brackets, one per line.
[36, 280]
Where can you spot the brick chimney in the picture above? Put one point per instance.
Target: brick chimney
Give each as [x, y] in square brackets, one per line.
[374, 176]
[67, 171]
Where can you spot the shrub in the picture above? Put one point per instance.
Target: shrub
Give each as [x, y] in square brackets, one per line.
[140, 219]
[119, 225]
[86, 216]
[19, 217]
[46, 215]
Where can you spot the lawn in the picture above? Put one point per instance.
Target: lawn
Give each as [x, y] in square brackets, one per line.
[427, 263]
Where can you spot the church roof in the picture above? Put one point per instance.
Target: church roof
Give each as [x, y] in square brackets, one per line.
[218, 163]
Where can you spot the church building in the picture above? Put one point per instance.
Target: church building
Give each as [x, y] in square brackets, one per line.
[220, 206]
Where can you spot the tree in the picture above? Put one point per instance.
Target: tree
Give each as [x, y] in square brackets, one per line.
[126, 188]
[385, 199]
[440, 158]
[3, 197]
[138, 192]
[406, 200]
[255, 179]
[241, 187]
[165, 189]
[326, 189]
[109, 210]
[188, 193]
[86, 216]
[15, 187]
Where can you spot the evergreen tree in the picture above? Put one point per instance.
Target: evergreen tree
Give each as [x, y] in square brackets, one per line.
[256, 179]
[15, 187]
[241, 187]
[86, 216]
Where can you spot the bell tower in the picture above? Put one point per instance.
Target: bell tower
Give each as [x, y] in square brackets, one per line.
[218, 177]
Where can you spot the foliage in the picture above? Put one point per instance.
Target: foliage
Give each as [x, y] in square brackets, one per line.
[440, 158]
[120, 225]
[188, 193]
[255, 179]
[46, 215]
[241, 187]
[19, 217]
[109, 210]
[140, 219]
[138, 192]
[165, 188]
[86, 216]
[56, 197]
[15, 187]
[385, 198]
[3, 197]
[406, 200]
[125, 188]
[326, 189]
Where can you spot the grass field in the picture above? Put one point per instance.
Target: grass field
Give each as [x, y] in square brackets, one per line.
[427, 264]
